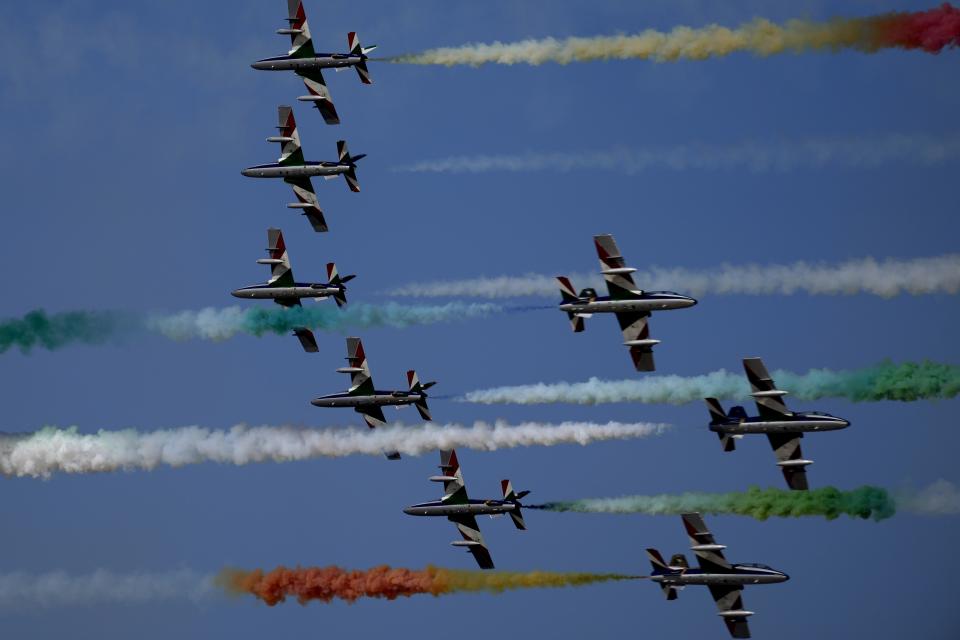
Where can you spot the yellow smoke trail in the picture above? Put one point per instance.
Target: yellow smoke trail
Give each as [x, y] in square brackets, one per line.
[929, 30]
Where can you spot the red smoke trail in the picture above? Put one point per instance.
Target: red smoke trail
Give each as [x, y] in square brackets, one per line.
[932, 30]
[329, 583]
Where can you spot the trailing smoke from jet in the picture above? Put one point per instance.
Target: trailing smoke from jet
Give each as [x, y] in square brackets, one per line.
[20, 591]
[52, 450]
[903, 382]
[756, 157]
[38, 329]
[866, 503]
[884, 278]
[930, 31]
[942, 498]
[324, 584]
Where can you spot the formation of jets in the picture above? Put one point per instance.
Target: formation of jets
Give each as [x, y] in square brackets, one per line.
[783, 427]
[459, 509]
[631, 306]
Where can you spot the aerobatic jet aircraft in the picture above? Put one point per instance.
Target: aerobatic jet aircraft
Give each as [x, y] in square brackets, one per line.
[296, 171]
[783, 427]
[367, 399]
[284, 290]
[631, 305]
[725, 580]
[462, 511]
[308, 64]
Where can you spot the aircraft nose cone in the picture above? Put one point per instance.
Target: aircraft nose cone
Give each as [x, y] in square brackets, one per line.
[692, 302]
[785, 576]
[408, 511]
[247, 172]
[236, 293]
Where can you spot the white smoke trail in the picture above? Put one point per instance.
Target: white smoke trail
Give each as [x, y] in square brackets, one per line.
[19, 591]
[223, 323]
[866, 152]
[942, 498]
[52, 450]
[885, 278]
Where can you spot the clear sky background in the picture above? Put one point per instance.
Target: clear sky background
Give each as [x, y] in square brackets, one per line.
[125, 129]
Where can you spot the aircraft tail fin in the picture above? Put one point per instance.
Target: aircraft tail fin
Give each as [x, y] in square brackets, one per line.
[363, 72]
[568, 295]
[334, 278]
[659, 565]
[509, 495]
[517, 518]
[717, 414]
[353, 41]
[417, 387]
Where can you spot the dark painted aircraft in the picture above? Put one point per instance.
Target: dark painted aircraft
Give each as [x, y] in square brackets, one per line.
[296, 171]
[307, 63]
[459, 509]
[784, 428]
[724, 579]
[631, 305]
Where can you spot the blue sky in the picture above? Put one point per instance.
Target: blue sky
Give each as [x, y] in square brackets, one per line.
[126, 129]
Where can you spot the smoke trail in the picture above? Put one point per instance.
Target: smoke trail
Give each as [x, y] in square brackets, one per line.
[930, 31]
[325, 584]
[755, 157]
[52, 450]
[887, 278]
[19, 591]
[829, 502]
[942, 498]
[904, 382]
[53, 331]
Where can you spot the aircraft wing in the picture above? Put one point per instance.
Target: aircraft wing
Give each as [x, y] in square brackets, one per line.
[634, 326]
[372, 415]
[319, 95]
[361, 382]
[709, 553]
[614, 268]
[303, 189]
[769, 399]
[730, 602]
[467, 525]
[307, 339]
[786, 446]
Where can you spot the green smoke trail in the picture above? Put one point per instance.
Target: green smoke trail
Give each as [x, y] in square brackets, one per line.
[52, 331]
[903, 382]
[866, 502]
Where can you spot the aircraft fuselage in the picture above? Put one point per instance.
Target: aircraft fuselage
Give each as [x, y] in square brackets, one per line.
[381, 398]
[796, 423]
[305, 170]
[472, 507]
[739, 575]
[648, 301]
[298, 291]
[319, 61]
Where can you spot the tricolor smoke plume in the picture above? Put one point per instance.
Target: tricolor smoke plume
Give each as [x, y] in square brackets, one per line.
[753, 156]
[884, 278]
[52, 450]
[56, 330]
[19, 591]
[829, 502]
[930, 31]
[325, 584]
[904, 382]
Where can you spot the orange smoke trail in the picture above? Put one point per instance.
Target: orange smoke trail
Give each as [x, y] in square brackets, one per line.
[931, 31]
[328, 583]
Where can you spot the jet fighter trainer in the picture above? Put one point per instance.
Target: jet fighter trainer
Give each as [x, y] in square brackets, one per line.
[308, 64]
[725, 580]
[631, 305]
[783, 427]
[462, 511]
[367, 399]
[296, 171]
[284, 290]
